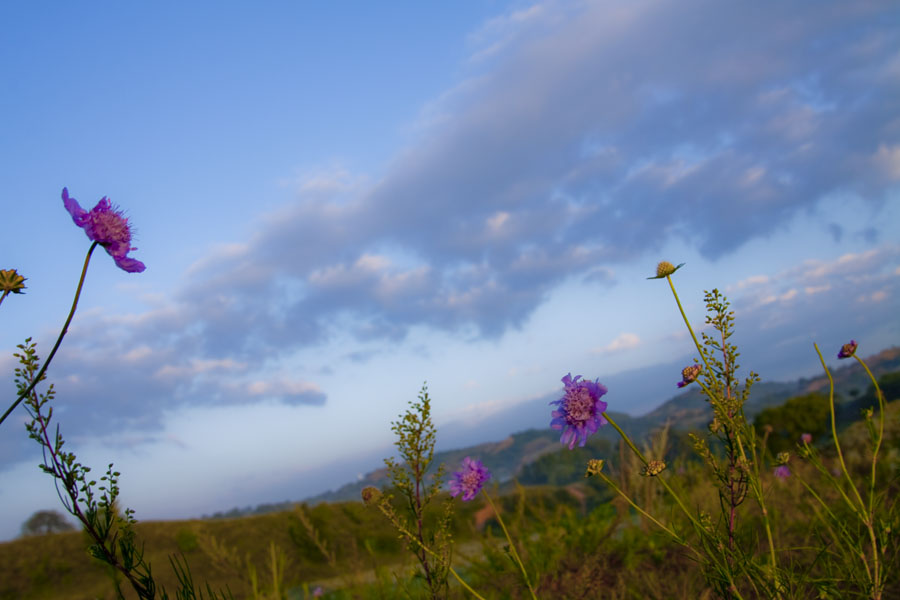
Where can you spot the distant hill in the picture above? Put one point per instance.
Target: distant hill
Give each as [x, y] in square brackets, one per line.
[686, 411]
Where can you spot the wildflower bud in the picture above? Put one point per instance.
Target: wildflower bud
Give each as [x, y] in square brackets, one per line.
[783, 458]
[664, 269]
[11, 281]
[689, 375]
[868, 413]
[768, 428]
[653, 468]
[371, 495]
[806, 438]
[848, 350]
[595, 465]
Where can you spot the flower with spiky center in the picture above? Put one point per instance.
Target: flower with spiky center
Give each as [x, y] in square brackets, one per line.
[848, 350]
[664, 269]
[469, 480]
[580, 410]
[106, 225]
[689, 375]
[11, 281]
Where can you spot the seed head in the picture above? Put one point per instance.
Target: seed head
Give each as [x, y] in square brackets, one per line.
[664, 269]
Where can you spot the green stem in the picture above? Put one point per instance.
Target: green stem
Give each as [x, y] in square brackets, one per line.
[880, 396]
[647, 515]
[5, 294]
[23, 395]
[864, 516]
[664, 483]
[512, 546]
[878, 440]
[688, 323]
[837, 443]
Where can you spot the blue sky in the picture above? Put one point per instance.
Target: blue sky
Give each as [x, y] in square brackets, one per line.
[336, 203]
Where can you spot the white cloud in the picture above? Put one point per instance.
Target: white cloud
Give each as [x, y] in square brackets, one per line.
[624, 341]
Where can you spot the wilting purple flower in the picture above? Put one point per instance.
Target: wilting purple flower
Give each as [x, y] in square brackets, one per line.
[782, 471]
[580, 410]
[806, 438]
[318, 592]
[469, 480]
[689, 375]
[106, 225]
[847, 350]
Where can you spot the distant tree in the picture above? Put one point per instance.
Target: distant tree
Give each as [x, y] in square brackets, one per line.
[46, 521]
[809, 413]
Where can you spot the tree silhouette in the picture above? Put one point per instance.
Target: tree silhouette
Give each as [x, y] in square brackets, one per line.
[46, 521]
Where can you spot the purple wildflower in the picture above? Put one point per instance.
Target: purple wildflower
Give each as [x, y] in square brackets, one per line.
[689, 375]
[580, 410]
[106, 225]
[782, 471]
[806, 438]
[847, 350]
[469, 480]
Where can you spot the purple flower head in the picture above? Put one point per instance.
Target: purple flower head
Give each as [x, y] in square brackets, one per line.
[782, 471]
[580, 410]
[806, 438]
[689, 375]
[847, 350]
[106, 225]
[469, 480]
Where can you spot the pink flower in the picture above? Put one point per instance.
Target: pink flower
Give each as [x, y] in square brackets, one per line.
[107, 226]
[469, 480]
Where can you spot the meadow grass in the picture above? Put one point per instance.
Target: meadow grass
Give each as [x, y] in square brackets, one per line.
[734, 518]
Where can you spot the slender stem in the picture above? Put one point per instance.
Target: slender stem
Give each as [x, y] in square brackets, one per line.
[880, 396]
[664, 483]
[647, 515]
[864, 516]
[688, 323]
[837, 443]
[512, 546]
[880, 437]
[5, 294]
[62, 334]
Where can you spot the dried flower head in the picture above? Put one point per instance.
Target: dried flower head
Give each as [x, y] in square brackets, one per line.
[848, 350]
[653, 468]
[595, 465]
[106, 225]
[469, 480]
[689, 375]
[664, 269]
[11, 281]
[370, 495]
[580, 411]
